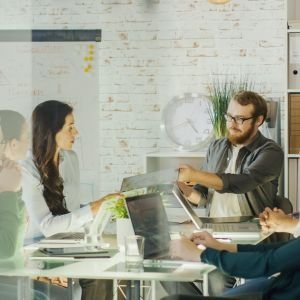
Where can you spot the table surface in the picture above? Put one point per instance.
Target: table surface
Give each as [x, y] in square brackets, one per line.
[110, 268]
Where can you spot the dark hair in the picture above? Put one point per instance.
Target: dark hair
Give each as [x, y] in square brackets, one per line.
[258, 102]
[11, 123]
[48, 118]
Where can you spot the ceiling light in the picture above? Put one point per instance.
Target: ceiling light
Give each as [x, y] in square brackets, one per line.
[218, 1]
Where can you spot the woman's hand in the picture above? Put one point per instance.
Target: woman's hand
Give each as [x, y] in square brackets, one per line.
[185, 249]
[97, 204]
[10, 176]
[276, 220]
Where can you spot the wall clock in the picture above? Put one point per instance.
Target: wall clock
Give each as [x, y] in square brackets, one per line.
[186, 122]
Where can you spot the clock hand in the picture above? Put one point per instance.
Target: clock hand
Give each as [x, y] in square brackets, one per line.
[180, 124]
[192, 125]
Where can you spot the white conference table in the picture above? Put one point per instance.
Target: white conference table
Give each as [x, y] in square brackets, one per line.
[113, 268]
[107, 268]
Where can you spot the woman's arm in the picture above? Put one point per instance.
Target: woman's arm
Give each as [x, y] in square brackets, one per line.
[40, 217]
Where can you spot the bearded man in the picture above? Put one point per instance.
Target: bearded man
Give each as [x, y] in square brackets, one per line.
[240, 173]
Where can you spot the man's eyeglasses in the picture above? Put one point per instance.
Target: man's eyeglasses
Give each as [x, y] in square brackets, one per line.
[237, 120]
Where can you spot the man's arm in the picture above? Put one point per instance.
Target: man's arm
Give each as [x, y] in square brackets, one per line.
[207, 179]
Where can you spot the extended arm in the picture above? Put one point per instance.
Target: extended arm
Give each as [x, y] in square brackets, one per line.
[41, 218]
[252, 263]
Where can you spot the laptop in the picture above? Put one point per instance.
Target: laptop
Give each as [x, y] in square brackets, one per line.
[159, 178]
[227, 227]
[149, 220]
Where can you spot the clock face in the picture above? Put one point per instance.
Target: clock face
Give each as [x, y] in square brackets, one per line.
[187, 123]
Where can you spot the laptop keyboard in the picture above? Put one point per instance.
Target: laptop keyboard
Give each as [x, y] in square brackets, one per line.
[232, 227]
[68, 236]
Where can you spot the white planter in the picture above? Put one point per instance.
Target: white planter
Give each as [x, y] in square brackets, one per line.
[124, 228]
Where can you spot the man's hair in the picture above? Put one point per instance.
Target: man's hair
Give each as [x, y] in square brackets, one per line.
[258, 102]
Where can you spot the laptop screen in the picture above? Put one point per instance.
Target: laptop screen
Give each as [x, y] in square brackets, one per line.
[187, 207]
[149, 220]
[167, 176]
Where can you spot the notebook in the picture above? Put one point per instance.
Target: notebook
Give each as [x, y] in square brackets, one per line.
[228, 227]
[149, 220]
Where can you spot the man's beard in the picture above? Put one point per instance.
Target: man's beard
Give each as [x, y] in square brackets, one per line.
[243, 138]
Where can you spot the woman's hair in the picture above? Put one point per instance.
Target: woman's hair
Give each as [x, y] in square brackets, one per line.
[48, 118]
[11, 125]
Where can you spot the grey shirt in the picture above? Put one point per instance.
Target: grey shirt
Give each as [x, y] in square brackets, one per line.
[258, 168]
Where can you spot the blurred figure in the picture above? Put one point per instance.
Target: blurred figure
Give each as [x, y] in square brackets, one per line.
[14, 139]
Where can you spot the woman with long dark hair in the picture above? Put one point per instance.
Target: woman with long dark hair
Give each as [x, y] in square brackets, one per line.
[51, 182]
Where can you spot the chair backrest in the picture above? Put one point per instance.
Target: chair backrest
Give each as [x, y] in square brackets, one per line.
[284, 204]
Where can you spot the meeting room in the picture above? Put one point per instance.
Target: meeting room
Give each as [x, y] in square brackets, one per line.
[149, 149]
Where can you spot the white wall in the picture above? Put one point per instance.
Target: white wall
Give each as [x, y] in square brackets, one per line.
[154, 50]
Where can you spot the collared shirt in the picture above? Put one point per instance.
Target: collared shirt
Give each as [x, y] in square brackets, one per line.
[258, 168]
[41, 221]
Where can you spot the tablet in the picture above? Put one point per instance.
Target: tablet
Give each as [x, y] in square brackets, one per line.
[76, 252]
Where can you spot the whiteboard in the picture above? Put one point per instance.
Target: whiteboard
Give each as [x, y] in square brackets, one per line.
[31, 73]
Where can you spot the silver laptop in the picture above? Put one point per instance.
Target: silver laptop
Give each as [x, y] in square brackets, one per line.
[158, 178]
[228, 227]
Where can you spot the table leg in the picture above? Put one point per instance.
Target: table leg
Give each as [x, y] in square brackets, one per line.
[133, 290]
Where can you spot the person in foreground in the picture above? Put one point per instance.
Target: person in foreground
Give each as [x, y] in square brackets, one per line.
[277, 263]
[240, 173]
[51, 184]
[14, 141]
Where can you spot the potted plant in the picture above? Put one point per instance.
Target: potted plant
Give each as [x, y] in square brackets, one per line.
[220, 93]
[123, 223]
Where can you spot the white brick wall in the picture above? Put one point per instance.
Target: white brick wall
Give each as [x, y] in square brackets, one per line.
[154, 50]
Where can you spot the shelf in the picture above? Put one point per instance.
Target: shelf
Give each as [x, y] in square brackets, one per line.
[293, 91]
[293, 155]
[294, 30]
[177, 154]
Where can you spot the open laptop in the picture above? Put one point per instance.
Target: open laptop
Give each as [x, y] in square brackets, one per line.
[149, 220]
[151, 179]
[227, 227]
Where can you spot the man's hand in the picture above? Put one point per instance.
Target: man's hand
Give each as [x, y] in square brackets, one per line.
[205, 239]
[276, 220]
[187, 173]
[185, 249]
[189, 192]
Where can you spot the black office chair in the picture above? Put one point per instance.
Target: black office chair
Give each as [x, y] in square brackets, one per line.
[284, 204]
